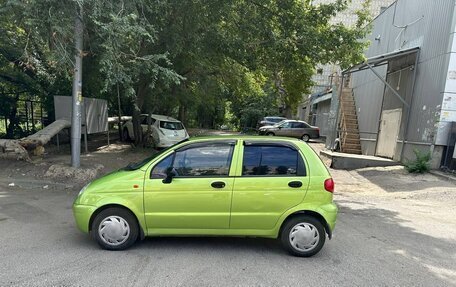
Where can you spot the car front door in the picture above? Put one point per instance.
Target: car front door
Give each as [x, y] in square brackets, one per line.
[270, 180]
[198, 196]
[285, 130]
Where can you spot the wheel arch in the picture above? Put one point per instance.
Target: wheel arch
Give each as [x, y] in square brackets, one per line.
[311, 213]
[115, 205]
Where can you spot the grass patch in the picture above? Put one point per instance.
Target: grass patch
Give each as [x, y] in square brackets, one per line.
[420, 164]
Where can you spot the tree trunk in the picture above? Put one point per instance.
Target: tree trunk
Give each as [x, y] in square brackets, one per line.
[43, 136]
[182, 111]
[13, 120]
[139, 101]
[13, 147]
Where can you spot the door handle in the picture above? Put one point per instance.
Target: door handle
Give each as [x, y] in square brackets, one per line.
[218, 184]
[295, 184]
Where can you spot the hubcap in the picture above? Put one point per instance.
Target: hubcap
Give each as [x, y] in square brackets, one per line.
[304, 236]
[114, 230]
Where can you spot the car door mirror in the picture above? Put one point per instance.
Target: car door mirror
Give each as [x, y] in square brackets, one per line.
[170, 174]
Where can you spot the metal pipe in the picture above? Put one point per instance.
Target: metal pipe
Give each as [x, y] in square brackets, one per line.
[407, 120]
[415, 143]
[388, 85]
[77, 91]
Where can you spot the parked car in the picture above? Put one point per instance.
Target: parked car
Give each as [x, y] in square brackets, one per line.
[166, 131]
[215, 186]
[269, 121]
[291, 128]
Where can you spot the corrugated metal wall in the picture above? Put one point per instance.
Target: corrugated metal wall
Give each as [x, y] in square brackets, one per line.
[429, 27]
[322, 115]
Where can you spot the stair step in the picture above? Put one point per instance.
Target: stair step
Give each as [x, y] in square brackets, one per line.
[352, 136]
[353, 141]
[352, 151]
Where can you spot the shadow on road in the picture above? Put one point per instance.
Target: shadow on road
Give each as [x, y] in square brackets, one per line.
[393, 180]
[398, 246]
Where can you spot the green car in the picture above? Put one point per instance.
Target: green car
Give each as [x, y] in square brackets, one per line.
[216, 186]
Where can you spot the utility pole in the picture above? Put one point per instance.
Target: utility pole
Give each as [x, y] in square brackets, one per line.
[77, 90]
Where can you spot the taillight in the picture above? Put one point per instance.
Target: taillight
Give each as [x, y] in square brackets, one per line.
[329, 185]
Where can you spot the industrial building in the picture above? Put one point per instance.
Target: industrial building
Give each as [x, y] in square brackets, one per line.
[404, 94]
[314, 108]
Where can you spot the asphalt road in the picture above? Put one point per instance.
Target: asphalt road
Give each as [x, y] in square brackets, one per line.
[379, 241]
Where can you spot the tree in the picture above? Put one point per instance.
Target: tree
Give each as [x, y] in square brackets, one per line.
[191, 59]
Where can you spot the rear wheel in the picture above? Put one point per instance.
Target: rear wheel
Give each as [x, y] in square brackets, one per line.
[305, 138]
[115, 229]
[303, 236]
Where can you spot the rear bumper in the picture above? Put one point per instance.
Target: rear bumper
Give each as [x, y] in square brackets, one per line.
[82, 215]
[329, 212]
[166, 142]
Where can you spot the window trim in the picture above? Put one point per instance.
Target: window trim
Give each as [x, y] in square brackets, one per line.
[231, 143]
[276, 144]
[172, 154]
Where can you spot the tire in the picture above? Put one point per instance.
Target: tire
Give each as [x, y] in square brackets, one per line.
[305, 137]
[125, 135]
[270, 134]
[124, 229]
[312, 230]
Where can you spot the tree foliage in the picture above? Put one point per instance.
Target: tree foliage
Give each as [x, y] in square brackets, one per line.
[198, 60]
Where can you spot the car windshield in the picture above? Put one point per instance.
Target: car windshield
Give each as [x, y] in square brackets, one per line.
[171, 125]
[280, 123]
[138, 165]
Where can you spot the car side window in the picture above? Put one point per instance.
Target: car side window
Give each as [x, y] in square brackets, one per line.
[286, 125]
[272, 161]
[202, 161]
[299, 125]
[159, 170]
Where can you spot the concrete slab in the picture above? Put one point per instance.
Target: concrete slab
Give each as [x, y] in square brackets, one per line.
[354, 161]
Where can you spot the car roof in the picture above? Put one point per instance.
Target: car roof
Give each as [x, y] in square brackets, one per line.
[244, 137]
[162, 118]
[296, 121]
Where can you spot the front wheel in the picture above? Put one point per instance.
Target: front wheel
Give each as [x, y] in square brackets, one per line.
[115, 229]
[303, 236]
[270, 134]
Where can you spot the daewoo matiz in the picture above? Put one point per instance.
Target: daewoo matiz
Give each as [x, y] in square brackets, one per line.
[218, 186]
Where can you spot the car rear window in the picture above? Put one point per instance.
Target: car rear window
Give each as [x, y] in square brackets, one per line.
[272, 161]
[171, 125]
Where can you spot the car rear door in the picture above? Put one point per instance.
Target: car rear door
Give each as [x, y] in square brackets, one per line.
[271, 178]
[199, 197]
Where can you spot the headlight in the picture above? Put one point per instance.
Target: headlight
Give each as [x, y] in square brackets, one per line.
[83, 189]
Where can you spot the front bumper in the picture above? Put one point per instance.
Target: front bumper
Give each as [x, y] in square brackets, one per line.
[82, 214]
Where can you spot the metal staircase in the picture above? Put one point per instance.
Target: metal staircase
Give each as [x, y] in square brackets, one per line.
[348, 124]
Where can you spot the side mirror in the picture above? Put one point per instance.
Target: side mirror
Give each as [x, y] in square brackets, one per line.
[170, 173]
[280, 127]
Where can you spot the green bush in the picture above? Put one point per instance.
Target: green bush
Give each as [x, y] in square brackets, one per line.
[420, 164]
